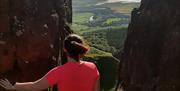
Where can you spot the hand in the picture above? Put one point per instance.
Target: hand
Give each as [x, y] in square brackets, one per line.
[6, 84]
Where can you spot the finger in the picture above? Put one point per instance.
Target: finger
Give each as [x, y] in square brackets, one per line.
[3, 86]
[6, 80]
[6, 87]
[4, 83]
[2, 80]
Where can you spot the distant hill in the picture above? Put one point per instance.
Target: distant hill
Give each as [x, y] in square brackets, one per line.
[119, 7]
[77, 3]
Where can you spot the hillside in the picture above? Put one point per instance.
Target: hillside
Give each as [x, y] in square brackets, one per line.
[104, 29]
[124, 8]
[102, 22]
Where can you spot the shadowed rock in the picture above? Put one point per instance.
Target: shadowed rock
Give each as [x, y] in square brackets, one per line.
[152, 48]
[31, 35]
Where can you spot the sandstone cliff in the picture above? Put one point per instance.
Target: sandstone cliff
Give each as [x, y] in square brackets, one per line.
[31, 33]
[151, 58]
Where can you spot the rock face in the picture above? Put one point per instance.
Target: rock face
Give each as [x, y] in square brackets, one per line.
[31, 35]
[151, 58]
[3, 15]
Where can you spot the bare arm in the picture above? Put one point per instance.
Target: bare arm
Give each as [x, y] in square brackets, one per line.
[97, 86]
[38, 85]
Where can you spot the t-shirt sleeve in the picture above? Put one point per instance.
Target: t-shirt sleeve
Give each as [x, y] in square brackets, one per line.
[53, 76]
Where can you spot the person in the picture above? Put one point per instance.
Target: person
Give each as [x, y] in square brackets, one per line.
[75, 75]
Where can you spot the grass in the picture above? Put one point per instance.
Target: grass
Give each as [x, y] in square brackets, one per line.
[94, 52]
[110, 21]
[125, 8]
[79, 28]
[82, 18]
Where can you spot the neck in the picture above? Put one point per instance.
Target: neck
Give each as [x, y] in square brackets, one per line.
[71, 59]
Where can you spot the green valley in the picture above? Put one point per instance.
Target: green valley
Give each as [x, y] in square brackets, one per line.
[104, 27]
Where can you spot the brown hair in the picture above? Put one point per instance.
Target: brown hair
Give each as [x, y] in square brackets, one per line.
[74, 45]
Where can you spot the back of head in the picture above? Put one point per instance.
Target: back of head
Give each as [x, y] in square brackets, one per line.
[74, 45]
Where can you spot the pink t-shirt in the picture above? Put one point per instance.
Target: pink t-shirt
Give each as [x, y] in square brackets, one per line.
[74, 76]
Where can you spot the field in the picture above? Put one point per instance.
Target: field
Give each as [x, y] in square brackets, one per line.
[104, 27]
[124, 8]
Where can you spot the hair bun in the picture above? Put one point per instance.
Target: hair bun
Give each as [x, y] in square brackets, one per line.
[79, 48]
[75, 46]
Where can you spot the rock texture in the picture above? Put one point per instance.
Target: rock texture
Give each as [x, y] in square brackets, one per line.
[31, 35]
[151, 58]
[4, 23]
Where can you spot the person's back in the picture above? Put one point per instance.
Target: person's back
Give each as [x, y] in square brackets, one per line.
[74, 76]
